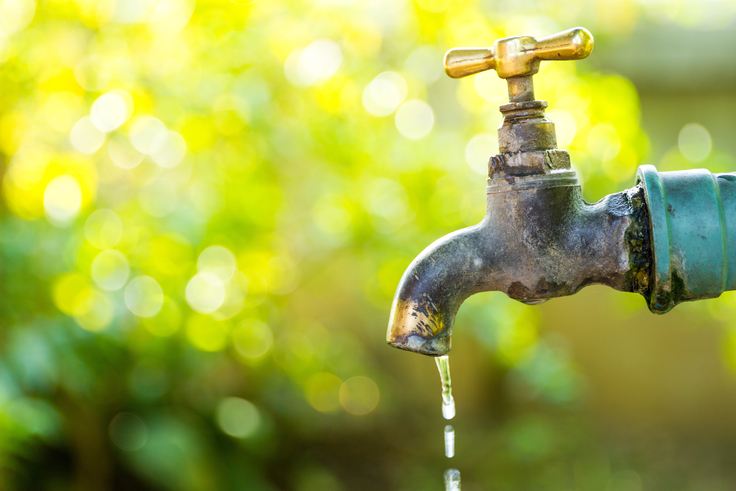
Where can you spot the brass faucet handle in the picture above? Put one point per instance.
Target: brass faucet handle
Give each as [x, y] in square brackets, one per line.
[519, 56]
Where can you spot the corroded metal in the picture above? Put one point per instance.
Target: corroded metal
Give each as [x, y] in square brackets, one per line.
[525, 128]
[639, 243]
[538, 240]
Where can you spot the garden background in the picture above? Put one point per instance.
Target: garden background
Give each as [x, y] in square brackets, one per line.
[206, 209]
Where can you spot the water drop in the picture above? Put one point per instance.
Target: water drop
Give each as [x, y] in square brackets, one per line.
[452, 480]
[449, 441]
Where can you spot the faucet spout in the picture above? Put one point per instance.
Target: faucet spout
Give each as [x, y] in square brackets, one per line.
[433, 288]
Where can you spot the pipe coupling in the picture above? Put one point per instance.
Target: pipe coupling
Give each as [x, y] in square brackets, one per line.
[692, 217]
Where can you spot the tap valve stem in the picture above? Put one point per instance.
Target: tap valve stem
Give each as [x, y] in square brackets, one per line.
[526, 139]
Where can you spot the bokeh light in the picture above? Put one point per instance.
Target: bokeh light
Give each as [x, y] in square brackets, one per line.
[237, 417]
[694, 142]
[565, 126]
[128, 432]
[103, 229]
[219, 262]
[314, 64]
[168, 148]
[62, 200]
[252, 339]
[143, 132]
[490, 88]
[166, 322]
[110, 111]
[414, 119]
[383, 95]
[359, 395]
[16, 15]
[604, 142]
[86, 136]
[143, 296]
[322, 391]
[110, 270]
[159, 197]
[206, 333]
[205, 293]
[95, 312]
[123, 154]
[422, 63]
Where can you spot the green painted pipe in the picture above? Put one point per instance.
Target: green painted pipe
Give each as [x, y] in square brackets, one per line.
[692, 217]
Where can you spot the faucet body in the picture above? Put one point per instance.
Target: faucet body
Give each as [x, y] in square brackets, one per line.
[538, 240]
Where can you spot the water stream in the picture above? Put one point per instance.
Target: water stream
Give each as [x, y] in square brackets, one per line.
[448, 403]
[452, 476]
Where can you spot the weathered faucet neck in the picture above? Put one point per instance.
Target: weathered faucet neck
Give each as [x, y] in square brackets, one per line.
[525, 128]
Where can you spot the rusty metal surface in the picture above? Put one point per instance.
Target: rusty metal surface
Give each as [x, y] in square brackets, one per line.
[535, 243]
[525, 128]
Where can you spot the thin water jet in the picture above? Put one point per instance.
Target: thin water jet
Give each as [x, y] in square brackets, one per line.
[448, 403]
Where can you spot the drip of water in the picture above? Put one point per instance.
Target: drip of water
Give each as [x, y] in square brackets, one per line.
[452, 476]
[448, 403]
[452, 480]
[449, 441]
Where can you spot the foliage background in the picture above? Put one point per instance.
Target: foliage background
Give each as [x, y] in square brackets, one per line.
[198, 301]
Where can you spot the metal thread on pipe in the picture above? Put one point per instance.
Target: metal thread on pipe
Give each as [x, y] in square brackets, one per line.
[727, 192]
[724, 231]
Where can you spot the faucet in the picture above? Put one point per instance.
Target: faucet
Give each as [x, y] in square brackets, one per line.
[670, 238]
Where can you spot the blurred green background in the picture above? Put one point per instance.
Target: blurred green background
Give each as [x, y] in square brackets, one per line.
[206, 208]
